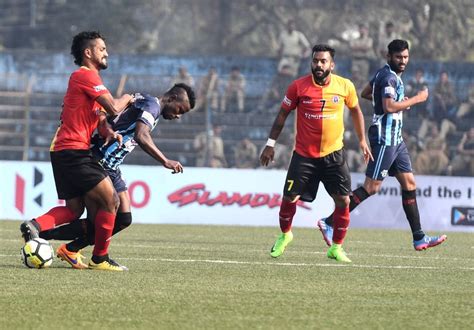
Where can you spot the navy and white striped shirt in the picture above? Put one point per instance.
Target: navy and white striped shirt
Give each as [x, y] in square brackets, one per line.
[146, 109]
[386, 128]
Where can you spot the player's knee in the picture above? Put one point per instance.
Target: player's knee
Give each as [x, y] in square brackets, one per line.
[123, 220]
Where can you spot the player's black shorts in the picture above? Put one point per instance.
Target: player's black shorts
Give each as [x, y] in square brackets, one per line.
[117, 181]
[305, 174]
[75, 172]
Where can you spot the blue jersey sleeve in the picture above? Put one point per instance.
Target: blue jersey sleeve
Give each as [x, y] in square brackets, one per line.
[148, 109]
[389, 87]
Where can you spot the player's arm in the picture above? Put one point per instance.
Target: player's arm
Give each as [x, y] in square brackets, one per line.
[105, 130]
[268, 152]
[391, 106]
[114, 106]
[145, 141]
[359, 127]
[367, 92]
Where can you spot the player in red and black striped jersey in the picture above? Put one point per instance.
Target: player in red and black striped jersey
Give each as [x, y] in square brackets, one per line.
[80, 180]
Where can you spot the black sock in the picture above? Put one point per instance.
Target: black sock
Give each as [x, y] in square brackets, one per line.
[357, 197]
[122, 221]
[72, 230]
[99, 259]
[84, 240]
[411, 211]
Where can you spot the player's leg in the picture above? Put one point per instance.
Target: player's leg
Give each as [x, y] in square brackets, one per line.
[105, 198]
[65, 166]
[376, 171]
[421, 241]
[337, 181]
[296, 183]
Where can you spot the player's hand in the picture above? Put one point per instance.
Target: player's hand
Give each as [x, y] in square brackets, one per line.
[112, 136]
[404, 99]
[423, 94]
[267, 155]
[366, 152]
[174, 165]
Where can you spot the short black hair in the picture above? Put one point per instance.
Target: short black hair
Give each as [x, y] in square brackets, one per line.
[80, 42]
[397, 46]
[324, 48]
[176, 89]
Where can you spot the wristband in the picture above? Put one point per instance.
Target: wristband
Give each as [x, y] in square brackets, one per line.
[270, 143]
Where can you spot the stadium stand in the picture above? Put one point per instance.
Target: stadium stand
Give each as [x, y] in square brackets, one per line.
[31, 96]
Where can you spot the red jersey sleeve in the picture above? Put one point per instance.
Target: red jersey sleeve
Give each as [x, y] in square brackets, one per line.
[90, 83]
[290, 101]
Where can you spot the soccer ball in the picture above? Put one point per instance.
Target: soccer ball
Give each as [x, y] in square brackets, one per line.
[37, 253]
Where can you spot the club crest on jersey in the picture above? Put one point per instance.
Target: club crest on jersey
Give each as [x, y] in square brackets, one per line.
[335, 99]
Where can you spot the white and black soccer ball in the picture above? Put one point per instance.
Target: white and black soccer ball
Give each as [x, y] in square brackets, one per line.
[37, 253]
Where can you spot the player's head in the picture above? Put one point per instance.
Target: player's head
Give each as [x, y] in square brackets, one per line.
[177, 101]
[322, 62]
[89, 47]
[398, 55]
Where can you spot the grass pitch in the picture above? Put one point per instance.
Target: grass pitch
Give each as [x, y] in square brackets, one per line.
[210, 277]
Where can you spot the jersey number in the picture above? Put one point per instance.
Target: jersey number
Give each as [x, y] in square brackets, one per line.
[323, 103]
[290, 184]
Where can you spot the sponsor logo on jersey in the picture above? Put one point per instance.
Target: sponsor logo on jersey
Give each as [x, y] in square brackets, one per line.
[319, 116]
[100, 88]
[384, 173]
[306, 100]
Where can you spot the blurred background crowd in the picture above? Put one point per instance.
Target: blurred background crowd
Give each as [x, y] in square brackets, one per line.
[240, 56]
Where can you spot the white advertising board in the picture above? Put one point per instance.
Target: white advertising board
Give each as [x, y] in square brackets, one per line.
[240, 197]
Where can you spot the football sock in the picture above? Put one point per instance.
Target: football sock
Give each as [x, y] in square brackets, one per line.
[287, 212]
[341, 223]
[104, 225]
[411, 211]
[122, 221]
[55, 217]
[69, 231]
[358, 196]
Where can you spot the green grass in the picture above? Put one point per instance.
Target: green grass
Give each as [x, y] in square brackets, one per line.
[210, 277]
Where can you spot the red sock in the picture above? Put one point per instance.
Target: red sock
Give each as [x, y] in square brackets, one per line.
[104, 224]
[287, 212]
[55, 217]
[341, 223]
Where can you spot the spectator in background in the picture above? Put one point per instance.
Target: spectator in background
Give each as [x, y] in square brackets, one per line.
[466, 109]
[208, 91]
[444, 108]
[355, 160]
[445, 100]
[386, 35]
[415, 85]
[245, 154]
[433, 159]
[183, 77]
[272, 97]
[463, 162]
[235, 89]
[210, 153]
[283, 152]
[362, 52]
[292, 47]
